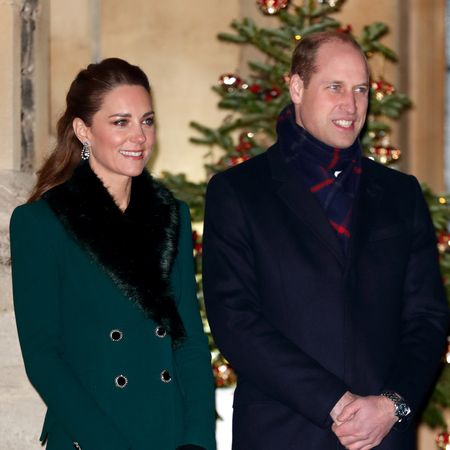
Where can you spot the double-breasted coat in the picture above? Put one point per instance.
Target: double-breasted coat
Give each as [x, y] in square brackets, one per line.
[103, 361]
[300, 322]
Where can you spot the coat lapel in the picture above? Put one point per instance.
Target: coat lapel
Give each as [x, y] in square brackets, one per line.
[366, 208]
[308, 210]
[303, 204]
[136, 248]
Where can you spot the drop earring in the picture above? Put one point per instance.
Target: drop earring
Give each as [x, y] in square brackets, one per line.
[85, 151]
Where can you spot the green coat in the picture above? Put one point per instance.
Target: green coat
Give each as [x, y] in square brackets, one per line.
[108, 373]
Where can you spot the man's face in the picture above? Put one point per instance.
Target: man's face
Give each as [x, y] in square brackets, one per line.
[334, 104]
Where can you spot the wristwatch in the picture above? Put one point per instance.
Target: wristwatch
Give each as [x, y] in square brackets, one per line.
[402, 410]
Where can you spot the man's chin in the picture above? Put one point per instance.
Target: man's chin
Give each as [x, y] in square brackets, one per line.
[342, 144]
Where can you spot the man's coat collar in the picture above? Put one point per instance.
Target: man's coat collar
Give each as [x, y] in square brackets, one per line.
[308, 210]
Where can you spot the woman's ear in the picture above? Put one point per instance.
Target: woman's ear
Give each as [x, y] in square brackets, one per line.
[80, 129]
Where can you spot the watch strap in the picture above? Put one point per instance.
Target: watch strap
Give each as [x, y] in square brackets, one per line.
[402, 410]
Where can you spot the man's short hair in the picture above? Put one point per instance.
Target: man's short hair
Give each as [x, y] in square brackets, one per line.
[305, 54]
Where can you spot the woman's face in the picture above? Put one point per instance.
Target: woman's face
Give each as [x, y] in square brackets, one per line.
[122, 134]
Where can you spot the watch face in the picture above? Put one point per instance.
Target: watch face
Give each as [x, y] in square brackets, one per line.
[403, 410]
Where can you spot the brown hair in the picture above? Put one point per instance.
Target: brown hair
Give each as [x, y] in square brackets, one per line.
[84, 99]
[305, 54]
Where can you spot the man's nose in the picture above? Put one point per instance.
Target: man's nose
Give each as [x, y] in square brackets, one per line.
[349, 102]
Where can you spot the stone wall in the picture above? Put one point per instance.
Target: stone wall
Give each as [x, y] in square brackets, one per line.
[14, 189]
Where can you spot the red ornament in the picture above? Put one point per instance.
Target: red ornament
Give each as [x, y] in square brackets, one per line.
[243, 146]
[443, 440]
[196, 242]
[230, 82]
[255, 88]
[269, 95]
[443, 242]
[235, 160]
[382, 88]
[272, 7]
[224, 374]
[245, 143]
[347, 30]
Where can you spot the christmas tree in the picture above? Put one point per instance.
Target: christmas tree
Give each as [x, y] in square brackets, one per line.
[249, 129]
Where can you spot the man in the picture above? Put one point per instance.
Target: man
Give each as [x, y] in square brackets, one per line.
[321, 274]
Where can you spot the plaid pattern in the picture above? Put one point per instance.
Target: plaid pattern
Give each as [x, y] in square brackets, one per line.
[316, 163]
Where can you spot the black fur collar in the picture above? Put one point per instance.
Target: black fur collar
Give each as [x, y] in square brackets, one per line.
[136, 248]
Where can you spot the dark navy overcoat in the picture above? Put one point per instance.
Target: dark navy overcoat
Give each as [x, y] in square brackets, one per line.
[300, 322]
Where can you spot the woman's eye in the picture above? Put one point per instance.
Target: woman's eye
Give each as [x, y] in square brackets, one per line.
[149, 121]
[120, 122]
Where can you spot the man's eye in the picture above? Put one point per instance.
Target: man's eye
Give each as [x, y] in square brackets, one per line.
[362, 89]
[334, 87]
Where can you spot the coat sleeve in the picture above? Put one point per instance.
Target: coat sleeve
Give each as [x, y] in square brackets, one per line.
[36, 278]
[258, 351]
[424, 321]
[192, 358]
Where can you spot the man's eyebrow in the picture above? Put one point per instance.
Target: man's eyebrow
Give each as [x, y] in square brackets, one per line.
[363, 83]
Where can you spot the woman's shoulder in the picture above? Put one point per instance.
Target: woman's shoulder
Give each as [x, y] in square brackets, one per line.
[30, 211]
[36, 215]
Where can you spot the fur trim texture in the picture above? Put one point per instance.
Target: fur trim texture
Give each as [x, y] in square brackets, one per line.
[136, 248]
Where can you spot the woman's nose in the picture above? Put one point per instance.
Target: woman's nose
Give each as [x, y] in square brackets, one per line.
[138, 134]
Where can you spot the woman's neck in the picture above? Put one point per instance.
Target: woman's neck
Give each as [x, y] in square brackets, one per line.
[120, 193]
[118, 186]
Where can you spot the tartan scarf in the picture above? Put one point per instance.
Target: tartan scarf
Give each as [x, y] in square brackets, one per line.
[316, 164]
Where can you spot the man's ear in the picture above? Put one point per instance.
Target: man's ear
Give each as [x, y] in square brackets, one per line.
[296, 88]
[80, 129]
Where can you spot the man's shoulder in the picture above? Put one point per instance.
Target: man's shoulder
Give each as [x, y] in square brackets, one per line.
[382, 173]
[252, 165]
[247, 171]
[247, 180]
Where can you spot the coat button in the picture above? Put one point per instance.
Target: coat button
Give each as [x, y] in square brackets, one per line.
[165, 376]
[116, 335]
[160, 332]
[121, 381]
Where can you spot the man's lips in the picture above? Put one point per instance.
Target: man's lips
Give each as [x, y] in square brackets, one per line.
[343, 123]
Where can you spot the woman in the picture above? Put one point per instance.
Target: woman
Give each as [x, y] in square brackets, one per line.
[103, 282]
